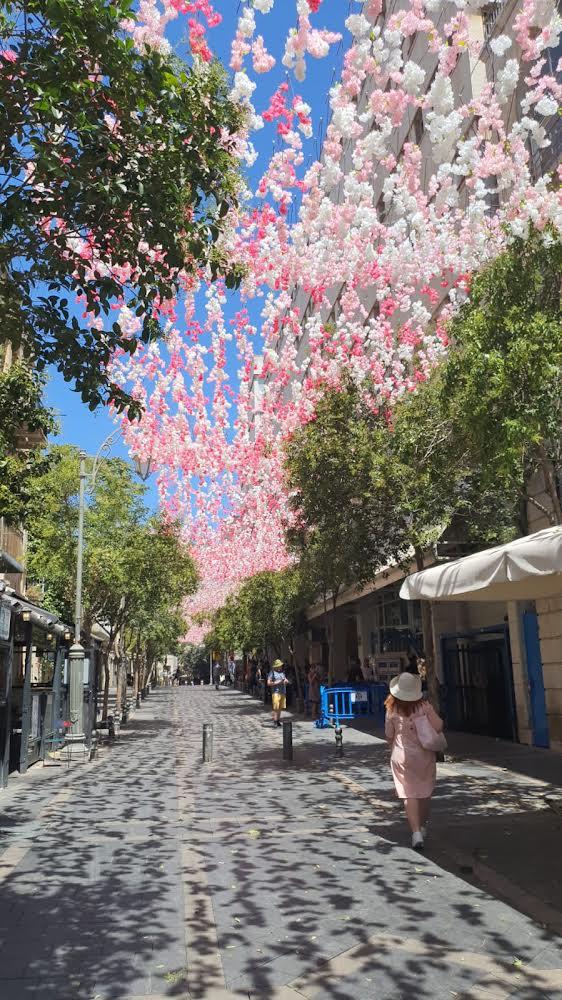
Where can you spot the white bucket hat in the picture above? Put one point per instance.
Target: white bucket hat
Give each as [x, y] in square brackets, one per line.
[406, 687]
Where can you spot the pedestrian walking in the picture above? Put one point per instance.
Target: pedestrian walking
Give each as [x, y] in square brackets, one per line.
[231, 669]
[415, 733]
[216, 674]
[314, 691]
[277, 683]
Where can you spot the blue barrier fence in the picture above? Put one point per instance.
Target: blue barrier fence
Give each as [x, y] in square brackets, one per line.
[351, 701]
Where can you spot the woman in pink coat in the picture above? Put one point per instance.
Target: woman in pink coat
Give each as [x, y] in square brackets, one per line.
[413, 768]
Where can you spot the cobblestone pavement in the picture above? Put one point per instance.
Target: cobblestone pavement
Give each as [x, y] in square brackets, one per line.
[147, 874]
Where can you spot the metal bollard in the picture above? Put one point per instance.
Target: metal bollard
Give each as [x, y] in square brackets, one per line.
[287, 739]
[207, 742]
[338, 733]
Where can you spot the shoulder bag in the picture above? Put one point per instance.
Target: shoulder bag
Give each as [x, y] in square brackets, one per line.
[429, 738]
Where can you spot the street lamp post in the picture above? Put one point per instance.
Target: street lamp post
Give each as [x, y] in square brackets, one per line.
[76, 655]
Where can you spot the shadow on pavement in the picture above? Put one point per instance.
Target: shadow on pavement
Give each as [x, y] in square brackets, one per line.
[302, 868]
[301, 863]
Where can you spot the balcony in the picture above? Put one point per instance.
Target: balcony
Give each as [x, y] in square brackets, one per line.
[12, 548]
[545, 160]
[490, 14]
[28, 440]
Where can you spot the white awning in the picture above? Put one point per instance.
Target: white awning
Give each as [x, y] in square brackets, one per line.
[525, 569]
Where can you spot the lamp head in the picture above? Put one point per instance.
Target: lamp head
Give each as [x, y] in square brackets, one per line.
[143, 466]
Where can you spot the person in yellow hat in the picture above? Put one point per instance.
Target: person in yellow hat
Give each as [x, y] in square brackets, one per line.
[277, 681]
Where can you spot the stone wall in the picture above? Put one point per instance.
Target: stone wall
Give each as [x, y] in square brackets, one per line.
[549, 612]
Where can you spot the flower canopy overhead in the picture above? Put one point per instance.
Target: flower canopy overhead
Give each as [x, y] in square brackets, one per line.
[388, 234]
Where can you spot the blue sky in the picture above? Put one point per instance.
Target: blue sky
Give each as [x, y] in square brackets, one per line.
[88, 430]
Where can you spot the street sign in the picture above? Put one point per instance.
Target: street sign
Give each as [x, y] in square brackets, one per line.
[359, 696]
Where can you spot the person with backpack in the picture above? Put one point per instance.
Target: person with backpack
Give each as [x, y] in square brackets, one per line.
[277, 683]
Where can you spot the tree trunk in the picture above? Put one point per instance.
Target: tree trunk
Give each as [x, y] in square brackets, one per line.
[551, 485]
[428, 645]
[105, 685]
[119, 685]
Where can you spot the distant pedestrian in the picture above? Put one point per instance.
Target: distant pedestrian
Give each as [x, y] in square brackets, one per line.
[231, 669]
[277, 683]
[216, 674]
[415, 733]
[254, 670]
[422, 671]
[314, 691]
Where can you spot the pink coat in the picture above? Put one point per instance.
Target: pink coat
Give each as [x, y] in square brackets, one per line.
[413, 768]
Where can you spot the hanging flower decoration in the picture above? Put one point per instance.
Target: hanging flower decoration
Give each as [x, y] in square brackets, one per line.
[359, 258]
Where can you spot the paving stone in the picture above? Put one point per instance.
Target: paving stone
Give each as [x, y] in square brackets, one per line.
[279, 871]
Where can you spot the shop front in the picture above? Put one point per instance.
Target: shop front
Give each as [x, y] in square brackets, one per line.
[39, 694]
[6, 651]
[33, 693]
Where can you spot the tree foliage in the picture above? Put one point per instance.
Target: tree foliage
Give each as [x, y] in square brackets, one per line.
[135, 567]
[24, 422]
[262, 614]
[329, 465]
[166, 574]
[116, 176]
[503, 376]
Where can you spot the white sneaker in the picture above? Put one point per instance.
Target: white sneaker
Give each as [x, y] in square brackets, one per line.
[417, 841]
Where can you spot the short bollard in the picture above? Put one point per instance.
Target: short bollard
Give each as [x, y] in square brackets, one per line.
[338, 733]
[207, 742]
[287, 739]
[138, 701]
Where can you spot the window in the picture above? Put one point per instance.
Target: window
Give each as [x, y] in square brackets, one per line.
[335, 311]
[490, 14]
[305, 316]
[492, 196]
[415, 133]
[553, 57]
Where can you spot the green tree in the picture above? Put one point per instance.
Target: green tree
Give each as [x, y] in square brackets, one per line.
[502, 380]
[24, 424]
[374, 489]
[113, 184]
[194, 662]
[136, 571]
[263, 614]
[436, 486]
[113, 514]
[163, 575]
[343, 532]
